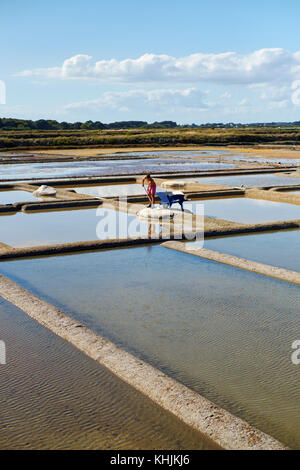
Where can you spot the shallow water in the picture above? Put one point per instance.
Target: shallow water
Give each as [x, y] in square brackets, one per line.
[279, 249]
[53, 227]
[244, 157]
[225, 332]
[249, 180]
[55, 397]
[246, 210]
[221, 155]
[172, 153]
[9, 197]
[98, 168]
[112, 190]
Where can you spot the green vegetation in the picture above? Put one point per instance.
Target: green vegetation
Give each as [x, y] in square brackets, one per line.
[8, 124]
[134, 134]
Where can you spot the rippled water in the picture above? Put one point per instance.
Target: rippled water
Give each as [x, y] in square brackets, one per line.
[66, 226]
[225, 332]
[246, 210]
[250, 180]
[9, 197]
[54, 397]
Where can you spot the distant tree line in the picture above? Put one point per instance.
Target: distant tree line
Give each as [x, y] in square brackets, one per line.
[7, 124]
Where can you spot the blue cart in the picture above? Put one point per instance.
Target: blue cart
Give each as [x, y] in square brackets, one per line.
[169, 198]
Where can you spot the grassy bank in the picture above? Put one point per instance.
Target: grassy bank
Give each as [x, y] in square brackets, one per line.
[42, 139]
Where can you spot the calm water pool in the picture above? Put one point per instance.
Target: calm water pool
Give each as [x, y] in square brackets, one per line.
[250, 180]
[246, 210]
[112, 190]
[279, 249]
[224, 332]
[9, 197]
[244, 157]
[43, 228]
[55, 397]
[173, 153]
[106, 167]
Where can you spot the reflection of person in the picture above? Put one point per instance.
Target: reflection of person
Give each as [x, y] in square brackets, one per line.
[151, 189]
[151, 230]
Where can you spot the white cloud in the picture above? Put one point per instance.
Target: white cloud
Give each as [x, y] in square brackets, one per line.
[273, 93]
[296, 93]
[262, 66]
[278, 104]
[226, 95]
[167, 99]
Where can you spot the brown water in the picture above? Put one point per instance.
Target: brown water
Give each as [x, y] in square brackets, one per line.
[54, 397]
[225, 332]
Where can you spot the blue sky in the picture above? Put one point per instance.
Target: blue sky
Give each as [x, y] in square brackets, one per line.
[191, 61]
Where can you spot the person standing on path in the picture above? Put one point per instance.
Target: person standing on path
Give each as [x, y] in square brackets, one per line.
[151, 189]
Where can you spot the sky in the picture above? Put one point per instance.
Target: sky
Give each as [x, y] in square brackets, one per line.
[191, 61]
